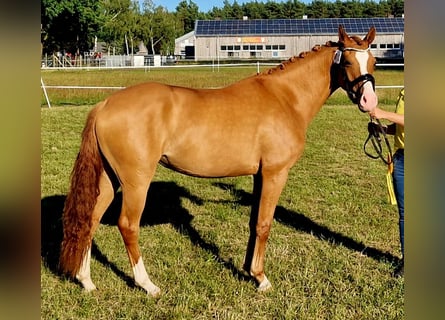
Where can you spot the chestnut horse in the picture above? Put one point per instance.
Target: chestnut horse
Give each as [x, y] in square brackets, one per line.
[256, 126]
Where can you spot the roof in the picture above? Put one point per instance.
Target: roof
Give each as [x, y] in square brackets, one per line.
[296, 26]
[185, 36]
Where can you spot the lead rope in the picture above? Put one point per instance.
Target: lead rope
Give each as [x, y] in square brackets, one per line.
[376, 131]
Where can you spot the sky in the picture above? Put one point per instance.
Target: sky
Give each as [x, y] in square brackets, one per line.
[207, 5]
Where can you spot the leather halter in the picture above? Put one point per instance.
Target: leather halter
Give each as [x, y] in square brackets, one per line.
[354, 95]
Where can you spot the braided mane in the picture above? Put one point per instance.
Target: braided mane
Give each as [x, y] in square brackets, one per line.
[302, 55]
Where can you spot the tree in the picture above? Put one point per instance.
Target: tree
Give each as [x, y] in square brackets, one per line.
[317, 9]
[252, 10]
[370, 9]
[385, 8]
[187, 13]
[68, 25]
[293, 9]
[334, 9]
[237, 11]
[119, 25]
[274, 10]
[397, 7]
[157, 27]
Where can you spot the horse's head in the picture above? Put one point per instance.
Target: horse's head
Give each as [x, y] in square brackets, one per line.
[356, 64]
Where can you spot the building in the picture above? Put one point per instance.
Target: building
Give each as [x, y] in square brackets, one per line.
[269, 39]
[184, 46]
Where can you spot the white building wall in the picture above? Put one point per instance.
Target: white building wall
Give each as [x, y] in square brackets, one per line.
[277, 47]
[184, 41]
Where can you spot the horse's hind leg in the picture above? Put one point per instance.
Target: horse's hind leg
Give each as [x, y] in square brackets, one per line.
[134, 192]
[104, 199]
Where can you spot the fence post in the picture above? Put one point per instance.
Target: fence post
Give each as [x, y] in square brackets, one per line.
[44, 91]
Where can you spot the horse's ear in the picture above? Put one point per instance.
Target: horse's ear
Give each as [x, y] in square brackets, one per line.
[370, 36]
[342, 35]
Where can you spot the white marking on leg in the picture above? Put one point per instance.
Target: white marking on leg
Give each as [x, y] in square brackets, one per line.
[264, 285]
[84, 275]
[141, 279]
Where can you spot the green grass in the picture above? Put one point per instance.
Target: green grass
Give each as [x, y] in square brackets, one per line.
[333, 244]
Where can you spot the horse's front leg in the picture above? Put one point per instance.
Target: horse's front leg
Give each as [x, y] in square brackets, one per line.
[268, 188]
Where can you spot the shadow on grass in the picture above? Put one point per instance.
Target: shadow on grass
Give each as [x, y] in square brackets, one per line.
[163, 206]
[301, 223]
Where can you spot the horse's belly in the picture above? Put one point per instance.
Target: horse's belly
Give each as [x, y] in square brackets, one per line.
[211, 165]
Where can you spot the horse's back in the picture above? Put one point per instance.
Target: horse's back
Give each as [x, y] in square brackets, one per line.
[201, 132]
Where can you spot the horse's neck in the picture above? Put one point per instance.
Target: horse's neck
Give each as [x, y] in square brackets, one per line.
[306, 82]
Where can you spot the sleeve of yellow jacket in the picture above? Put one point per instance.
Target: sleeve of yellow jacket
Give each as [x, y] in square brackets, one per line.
[399, 137]
[399, 143]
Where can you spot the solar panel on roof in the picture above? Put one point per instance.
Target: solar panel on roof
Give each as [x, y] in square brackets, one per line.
[297, 26]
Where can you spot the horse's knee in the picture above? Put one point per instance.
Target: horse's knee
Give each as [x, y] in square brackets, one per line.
[263, 230]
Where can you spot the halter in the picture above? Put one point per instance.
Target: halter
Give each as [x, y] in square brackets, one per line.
[354, 95]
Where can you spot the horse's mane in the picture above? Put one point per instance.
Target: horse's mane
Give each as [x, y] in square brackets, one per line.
[300, 57]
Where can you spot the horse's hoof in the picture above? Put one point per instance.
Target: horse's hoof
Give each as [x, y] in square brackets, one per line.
[87, 284]
[154, 292]
[264, 285]
[90, 288]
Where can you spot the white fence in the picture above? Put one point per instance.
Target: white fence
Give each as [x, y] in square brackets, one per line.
[215, 66]
[104, 61]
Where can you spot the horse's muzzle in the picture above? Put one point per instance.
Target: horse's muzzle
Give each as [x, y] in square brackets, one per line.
[361, 91]
[368, 100]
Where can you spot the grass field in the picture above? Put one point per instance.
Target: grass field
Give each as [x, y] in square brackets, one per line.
[333, 244]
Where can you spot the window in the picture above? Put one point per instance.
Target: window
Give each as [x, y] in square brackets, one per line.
[223, 48]
[276, 47]
[373, 46]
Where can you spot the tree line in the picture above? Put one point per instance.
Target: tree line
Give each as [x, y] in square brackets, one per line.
[74, 26]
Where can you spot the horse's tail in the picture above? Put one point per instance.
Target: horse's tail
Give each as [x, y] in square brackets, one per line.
[81, 200]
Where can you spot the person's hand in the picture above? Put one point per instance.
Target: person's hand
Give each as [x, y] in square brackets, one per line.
[376, 113]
